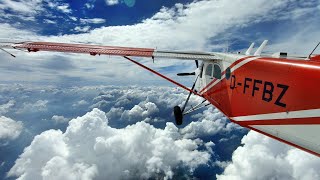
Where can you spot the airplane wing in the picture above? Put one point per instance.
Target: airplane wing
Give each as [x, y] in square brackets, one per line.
[109, 50]
[126, 52]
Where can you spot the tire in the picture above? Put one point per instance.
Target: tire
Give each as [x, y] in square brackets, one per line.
[178, 115]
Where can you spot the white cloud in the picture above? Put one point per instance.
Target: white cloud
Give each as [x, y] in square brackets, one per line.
[63, 7]
[4, 108]
[73, 18]
[263, 157]
[112, 2]
[89, 5]
[211, 122]
[38, 106]
[48, 21]
[26, 7]
[92, 21]
[91, 149]
[80, 103]
[7, 31]
[9, 129]
[82, 29]
[140, 112]
[59, 119]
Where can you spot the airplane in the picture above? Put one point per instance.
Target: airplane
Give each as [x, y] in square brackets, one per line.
[276, 95]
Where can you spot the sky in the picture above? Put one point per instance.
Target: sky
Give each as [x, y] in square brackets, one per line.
[73, 116]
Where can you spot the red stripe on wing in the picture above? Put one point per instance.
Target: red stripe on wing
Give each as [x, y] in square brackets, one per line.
[90, 49]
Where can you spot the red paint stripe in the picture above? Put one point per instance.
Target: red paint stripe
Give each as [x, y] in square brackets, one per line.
[231, 66]
[296, 121]
[276, 138]
[90, 49]
[155, 72]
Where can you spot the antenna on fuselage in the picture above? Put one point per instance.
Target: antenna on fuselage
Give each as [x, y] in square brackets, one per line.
[259, 50]
[248, 52]
[313, 50]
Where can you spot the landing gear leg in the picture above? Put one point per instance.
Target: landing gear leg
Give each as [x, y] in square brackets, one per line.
[178, 115]
[178, 112]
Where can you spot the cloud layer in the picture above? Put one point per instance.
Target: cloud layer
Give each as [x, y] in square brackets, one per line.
[135, 118]
[264, 158]
[91, 149]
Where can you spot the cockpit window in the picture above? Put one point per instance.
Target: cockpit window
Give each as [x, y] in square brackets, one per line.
[209, 70]
[228, 73]
[217, 71]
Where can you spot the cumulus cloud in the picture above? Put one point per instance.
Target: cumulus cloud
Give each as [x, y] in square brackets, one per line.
[9, 129]
[59, 119]
[91, 149]
[261, 157]
[4, 108]
[141, 111]
[209, 123]
[37, 106]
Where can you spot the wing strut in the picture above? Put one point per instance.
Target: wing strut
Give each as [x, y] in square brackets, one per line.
[164, 77]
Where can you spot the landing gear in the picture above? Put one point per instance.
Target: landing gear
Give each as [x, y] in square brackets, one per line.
[179, 112]
[178, 115]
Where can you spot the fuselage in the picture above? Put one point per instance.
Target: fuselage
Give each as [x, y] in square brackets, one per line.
[278, 97]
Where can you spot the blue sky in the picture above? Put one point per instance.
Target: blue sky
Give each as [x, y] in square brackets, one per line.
[81, 113]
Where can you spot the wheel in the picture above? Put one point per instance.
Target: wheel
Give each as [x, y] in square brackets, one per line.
[178, 115]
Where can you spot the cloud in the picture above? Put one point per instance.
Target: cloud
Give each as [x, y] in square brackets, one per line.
[140, 112]
[92, 21]
[112, 2]
[73, 18]
[26, 7]
[265, 158]
[9, 129]
[138, 103]
[211, 122]
[80, 103]
[4, 108]
[62, 7]
[82, 29]
[91, 149]
[57, 63]
[59, 119]
[48, 21]
[37, 106]
[89, 5]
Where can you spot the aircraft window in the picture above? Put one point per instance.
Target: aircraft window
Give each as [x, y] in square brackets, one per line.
[217, 71]
[228, 73]
[209, 70]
